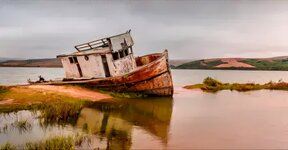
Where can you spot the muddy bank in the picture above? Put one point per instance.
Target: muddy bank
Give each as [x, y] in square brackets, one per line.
[73, 91]
[26, 97]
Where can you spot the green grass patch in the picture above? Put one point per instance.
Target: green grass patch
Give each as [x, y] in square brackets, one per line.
[128, 94]
[3, 91]
[60, 113]
[212, 85]
[114, 94]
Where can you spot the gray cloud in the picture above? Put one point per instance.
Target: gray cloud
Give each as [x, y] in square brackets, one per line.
[189, 29]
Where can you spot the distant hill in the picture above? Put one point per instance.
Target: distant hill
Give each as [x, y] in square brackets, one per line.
[274, 63]
[5, 59]
[48, 62]
[53, 62]
[177, 62]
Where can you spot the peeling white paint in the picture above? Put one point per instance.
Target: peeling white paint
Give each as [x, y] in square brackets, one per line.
[92, 66]
[122, 65]
[70, 69]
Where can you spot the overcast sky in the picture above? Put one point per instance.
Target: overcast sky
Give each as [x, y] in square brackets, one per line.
[188, 29]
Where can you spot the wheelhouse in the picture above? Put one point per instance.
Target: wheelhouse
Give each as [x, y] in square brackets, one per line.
[107, 57]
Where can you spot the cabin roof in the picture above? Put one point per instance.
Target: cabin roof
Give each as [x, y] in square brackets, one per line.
[100, 46]
[102, 50]
[97, 43]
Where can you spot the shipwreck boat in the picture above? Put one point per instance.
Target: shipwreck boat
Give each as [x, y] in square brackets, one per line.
[109, 64]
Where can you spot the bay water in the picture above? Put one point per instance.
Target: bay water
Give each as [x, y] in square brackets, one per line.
[192, 119]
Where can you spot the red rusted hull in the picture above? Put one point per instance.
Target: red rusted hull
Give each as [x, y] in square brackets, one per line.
[153, 76]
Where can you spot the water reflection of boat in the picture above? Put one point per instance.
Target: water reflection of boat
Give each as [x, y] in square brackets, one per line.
[116, 126]
[152, 115]
[116, 130]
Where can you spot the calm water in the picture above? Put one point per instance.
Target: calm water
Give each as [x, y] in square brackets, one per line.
[191, 119]
[20, 75]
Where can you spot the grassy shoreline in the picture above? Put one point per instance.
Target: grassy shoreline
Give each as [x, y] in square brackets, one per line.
[212, 85]
[55, 143]
[57, 107]
[23, 98]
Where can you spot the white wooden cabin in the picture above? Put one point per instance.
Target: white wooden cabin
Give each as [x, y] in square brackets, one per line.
[107, 57]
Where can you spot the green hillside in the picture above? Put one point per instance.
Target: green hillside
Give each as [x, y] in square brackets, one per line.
[259, 64]
[268, 65]
[49, 62]
[199, 64]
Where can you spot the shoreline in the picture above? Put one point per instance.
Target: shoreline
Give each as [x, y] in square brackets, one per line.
[212, 86]
[73, 91]
[25, 97]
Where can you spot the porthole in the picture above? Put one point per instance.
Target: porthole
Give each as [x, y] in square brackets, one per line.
[86, 58]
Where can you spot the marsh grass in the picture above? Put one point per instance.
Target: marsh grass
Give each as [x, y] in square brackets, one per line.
[22, 126]
[8, 146]
[212, 85]
[54, 143]
[4, 129]
[85, 127]
[80, 140]
[108, 106]
[3, 91]
[27, 99]
[115, 94]
[60, 113]
[129, 95]
[54, 108]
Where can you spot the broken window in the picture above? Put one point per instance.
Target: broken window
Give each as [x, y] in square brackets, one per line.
[121, 52]
[126, 52]
[115, 55]
[73, 60]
